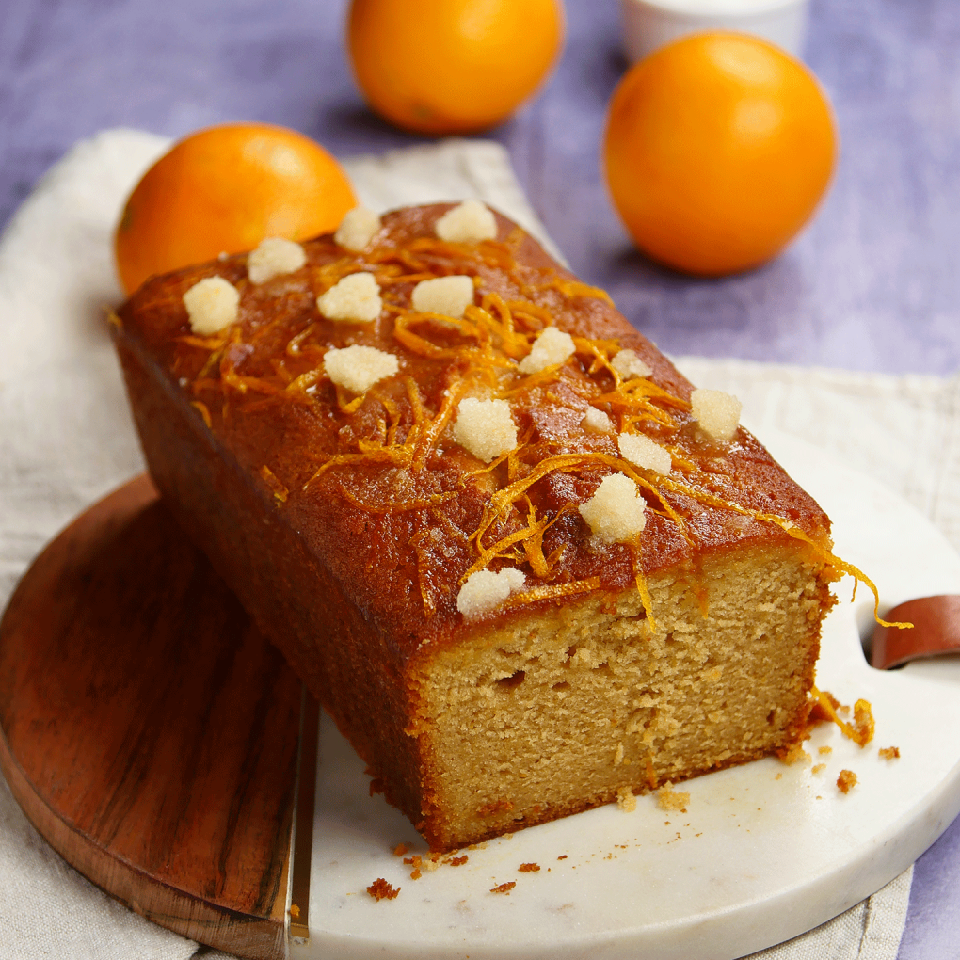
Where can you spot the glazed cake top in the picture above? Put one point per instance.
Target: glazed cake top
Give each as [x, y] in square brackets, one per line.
[480, 443]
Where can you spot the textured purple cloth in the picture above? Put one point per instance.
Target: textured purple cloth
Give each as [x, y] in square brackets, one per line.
[872, 284]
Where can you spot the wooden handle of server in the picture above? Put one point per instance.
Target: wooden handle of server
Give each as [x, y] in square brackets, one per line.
[936, 630]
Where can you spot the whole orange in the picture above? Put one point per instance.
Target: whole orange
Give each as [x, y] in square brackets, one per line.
[224, 189]
[718, 149]
[452, 66]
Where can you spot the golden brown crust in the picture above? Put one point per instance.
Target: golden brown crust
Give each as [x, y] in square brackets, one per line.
[405, 564]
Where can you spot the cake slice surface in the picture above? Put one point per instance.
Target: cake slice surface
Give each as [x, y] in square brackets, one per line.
[521, 562]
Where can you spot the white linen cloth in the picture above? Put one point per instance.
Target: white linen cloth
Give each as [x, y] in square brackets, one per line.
[66, 439]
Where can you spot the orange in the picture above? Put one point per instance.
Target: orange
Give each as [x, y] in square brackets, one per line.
[718, 149]
[452, 66]
[223, 190]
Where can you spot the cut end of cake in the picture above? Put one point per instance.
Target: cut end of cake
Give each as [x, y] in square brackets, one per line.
[579, 705]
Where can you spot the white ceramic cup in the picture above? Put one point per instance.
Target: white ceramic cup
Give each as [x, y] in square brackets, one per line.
[650, 24]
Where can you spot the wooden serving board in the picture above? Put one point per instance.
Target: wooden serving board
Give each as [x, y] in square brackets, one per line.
[148, 730]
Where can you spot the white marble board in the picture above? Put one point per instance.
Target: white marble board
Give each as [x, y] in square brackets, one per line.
[765, 851]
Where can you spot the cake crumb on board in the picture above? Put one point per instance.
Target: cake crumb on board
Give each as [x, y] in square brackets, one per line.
[670, 799]
[846, 781]
[504, 887]
[889, 753]
[381, 890]
[795, 754]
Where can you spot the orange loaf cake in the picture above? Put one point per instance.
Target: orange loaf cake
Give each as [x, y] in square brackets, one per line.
[520, 561]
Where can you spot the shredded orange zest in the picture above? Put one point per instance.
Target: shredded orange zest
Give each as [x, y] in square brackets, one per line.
[397, 506]
[791, 529]
[575, 288]
[651, 776]
[295, 343]
[305, 380]
[201, 408]
[642, 588]
[433, 428]
[553, 591]
[345, 402]
[390, 455]
[861, 730]
[530, 536]
[478, 355]
[279, 491]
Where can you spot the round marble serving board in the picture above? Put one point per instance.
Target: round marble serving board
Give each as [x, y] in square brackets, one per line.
[763, 853]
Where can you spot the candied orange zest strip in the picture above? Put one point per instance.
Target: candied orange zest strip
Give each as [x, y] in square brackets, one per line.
[292, 349]
[393, 412]
[513, 343]
[392, 455]
[552, 591]
[279, 491]
[791, 529]
[418, 344]
[500, 502]
[390, 280]
[348, 406]
[504, 497]
[327, 275]
[533, 546]
[642, 587]
[243, 384]
[644, 387]
[862, 733]
[212, 362]
[639, 393]
[204, 412]
[534, 528]
[306, 380]
[482, 354]
[398, 505]
[575, 288]
[600, 350]
[213, 342]
[436, 426]
[531, 381]
[493, 334]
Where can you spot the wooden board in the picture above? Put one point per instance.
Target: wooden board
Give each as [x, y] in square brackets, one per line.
[148, 730]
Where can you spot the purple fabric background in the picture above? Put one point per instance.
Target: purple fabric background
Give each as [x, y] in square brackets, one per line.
[872, 284]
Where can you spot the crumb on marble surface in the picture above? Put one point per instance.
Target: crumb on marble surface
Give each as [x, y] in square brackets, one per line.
[846, 781]
[381, 890]
[670, 799]
[625, 799]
